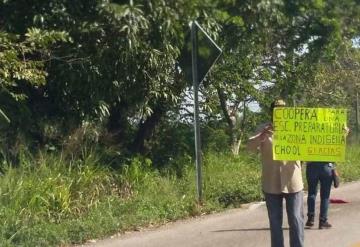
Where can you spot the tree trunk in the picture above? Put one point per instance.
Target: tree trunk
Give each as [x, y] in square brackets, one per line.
[146, 130]
[235, 146]
[117, 124]
[235, 141]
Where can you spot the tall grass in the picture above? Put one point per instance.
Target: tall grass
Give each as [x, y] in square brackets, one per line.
[48, 191]
[53, 201]
[350, 169]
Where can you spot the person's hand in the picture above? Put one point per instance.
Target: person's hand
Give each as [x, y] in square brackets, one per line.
[346, 130]
[268, 130]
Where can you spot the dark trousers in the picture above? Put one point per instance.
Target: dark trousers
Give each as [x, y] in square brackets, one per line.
[319, 173]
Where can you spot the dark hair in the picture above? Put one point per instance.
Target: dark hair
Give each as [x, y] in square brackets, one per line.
[277, 103]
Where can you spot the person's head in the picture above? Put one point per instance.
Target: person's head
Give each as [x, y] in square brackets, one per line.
[276, 103]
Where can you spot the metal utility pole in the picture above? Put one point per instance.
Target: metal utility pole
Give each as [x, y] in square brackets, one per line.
[204, 53]
[194, 56]
[357, 116]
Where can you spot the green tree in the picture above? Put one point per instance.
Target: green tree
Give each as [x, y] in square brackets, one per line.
[22, 61]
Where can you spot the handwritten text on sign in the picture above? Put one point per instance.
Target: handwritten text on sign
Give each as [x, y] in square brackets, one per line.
[309, 134]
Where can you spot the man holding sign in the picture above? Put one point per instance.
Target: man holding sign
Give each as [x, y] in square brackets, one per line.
[281, 179]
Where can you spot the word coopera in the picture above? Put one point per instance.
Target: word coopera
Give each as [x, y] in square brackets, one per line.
[308, 114]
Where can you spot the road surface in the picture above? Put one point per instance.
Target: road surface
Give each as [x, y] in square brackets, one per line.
[249, 228]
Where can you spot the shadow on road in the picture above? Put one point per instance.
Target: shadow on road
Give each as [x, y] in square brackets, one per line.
[247, 229]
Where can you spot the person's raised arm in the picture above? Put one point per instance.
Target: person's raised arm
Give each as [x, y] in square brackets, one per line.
[254, 142]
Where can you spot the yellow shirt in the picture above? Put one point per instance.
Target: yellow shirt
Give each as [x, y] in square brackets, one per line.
[277, 176]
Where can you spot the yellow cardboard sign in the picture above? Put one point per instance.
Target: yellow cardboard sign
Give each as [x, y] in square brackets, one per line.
[309, 134]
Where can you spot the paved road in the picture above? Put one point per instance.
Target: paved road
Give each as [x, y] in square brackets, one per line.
[249, 228]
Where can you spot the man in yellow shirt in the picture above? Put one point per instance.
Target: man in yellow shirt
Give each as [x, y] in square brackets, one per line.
[280, 180]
